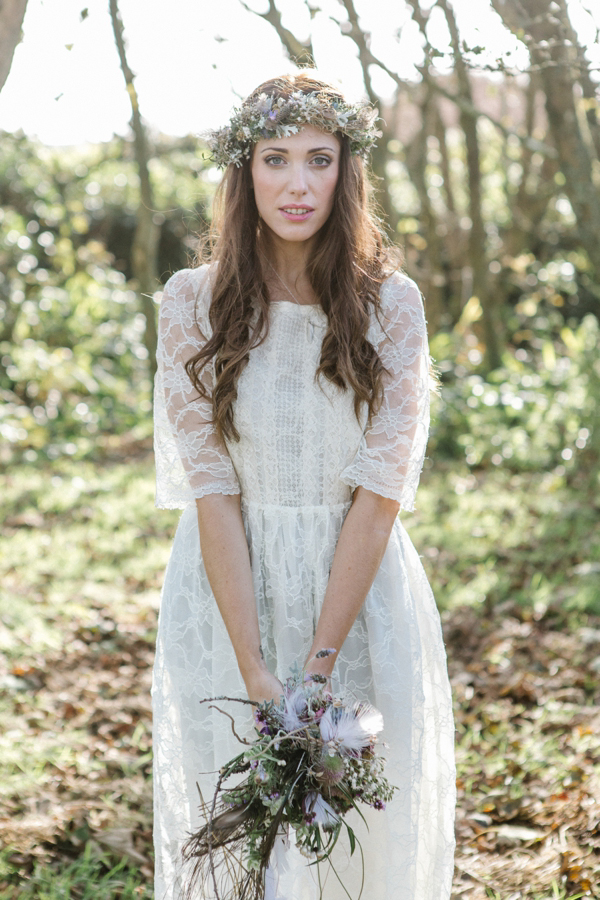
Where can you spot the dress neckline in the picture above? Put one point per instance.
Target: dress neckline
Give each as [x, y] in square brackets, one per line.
[295, 305]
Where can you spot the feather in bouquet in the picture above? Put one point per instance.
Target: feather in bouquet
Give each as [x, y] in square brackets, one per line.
[313, 760]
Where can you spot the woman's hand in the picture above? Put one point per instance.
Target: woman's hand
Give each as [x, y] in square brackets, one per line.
[262, 686]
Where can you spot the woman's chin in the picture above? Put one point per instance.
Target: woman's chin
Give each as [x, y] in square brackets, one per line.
[294, 232]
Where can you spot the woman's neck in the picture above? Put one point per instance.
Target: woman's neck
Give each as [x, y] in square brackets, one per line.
[290, 261]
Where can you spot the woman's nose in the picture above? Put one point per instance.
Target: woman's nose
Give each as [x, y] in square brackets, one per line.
[298, 181]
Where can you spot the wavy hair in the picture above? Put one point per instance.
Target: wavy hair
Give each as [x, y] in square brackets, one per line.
[346, 268]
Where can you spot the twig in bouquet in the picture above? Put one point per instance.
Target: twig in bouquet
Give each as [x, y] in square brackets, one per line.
[233, 699]
[229, 716]
[279, 738]
[210, 833]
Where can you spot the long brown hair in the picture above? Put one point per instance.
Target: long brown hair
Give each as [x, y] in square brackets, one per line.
[346, 269]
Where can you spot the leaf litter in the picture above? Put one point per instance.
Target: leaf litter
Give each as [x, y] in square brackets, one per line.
[77, 633]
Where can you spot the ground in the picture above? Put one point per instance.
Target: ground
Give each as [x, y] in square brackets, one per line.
[83, 552]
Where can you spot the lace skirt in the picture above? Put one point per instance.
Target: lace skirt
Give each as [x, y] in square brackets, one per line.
[394, 656]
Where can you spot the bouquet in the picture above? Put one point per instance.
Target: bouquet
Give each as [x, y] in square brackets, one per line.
[313, 760]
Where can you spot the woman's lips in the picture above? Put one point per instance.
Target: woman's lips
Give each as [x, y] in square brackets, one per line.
[302, 215]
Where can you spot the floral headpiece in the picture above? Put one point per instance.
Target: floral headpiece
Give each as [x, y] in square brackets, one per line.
[264, 117]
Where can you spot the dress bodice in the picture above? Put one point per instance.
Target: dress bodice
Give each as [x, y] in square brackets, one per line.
[297, 434]
[301, 444]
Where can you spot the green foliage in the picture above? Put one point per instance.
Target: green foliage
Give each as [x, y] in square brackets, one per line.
[539, 411]
[73, 362]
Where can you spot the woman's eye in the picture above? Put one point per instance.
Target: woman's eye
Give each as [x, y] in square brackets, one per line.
[321, 160]
[274, 160]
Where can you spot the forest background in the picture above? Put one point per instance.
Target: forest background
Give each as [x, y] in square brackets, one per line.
[488, 176]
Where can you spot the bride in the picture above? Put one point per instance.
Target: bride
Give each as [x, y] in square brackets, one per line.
[291, 418]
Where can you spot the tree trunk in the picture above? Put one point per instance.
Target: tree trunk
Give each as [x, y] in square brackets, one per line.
[379, 154]
[543, 26]
[145, 241]
[477, 234]
[430, 277]
[12, 13]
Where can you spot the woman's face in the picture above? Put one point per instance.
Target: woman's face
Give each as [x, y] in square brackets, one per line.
[294, 182]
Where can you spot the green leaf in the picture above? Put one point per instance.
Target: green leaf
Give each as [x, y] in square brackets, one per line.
[351, 838]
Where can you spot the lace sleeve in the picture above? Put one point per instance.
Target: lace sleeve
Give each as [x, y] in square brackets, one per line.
[390, 457]
[190, 459]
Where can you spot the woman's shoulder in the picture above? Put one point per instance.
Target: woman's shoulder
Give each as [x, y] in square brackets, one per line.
[186, 295]
[399, 289]
[401, 301]
[187, 283]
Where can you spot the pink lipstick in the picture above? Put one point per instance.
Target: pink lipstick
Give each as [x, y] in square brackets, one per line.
[296, 213]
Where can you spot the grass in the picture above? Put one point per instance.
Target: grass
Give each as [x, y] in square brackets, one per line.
[513, 561]
[94, 875]
[489, 536]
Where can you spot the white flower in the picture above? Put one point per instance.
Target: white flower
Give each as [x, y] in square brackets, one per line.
[294, 706]
[319, 811]
[350, 728]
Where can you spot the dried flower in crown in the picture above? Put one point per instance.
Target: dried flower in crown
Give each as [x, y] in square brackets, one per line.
[264, 117]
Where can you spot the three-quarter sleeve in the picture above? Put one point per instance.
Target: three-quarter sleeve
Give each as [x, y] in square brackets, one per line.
[390, 456]
[191, 460]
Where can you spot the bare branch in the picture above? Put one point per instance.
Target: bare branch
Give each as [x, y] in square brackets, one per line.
[463, 103]
[466, 106]
[365, 56]
[299, 53]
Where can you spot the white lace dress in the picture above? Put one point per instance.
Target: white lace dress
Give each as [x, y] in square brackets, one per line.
[301, 455]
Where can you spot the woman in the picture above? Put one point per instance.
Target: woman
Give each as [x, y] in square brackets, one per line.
[291, 422]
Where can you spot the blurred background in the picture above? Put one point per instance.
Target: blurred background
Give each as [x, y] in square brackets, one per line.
[488, 177]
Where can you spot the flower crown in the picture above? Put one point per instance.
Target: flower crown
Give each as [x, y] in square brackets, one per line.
[264, 116]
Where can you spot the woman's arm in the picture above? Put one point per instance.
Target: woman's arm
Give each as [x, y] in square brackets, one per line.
[227, 563]
[384, 474]
[360, 548]
[210, 474]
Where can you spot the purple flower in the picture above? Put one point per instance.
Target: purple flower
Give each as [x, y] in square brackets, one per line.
[261, 722]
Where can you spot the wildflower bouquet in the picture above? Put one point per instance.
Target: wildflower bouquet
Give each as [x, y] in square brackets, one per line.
[313, 760]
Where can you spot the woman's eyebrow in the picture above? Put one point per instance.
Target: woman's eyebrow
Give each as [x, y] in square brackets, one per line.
[282, 149]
